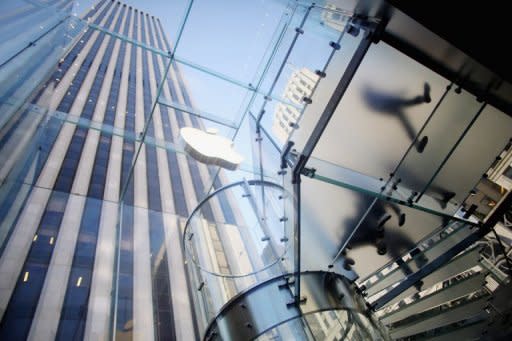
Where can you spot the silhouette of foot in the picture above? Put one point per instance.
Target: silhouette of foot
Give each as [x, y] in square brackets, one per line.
[347, 263]
[447, 196]
[420, 147]
[381, 247]
[418, 285]
[383, 220]
[426, 93]
[401, 219]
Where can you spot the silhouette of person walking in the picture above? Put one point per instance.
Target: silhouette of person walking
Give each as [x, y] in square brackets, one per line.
[395, 105]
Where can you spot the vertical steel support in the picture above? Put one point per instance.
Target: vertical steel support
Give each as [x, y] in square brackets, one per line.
[301, 162]
[296, 233]
[339, 92]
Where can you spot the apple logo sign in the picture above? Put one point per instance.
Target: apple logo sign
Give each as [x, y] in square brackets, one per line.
[209, 148]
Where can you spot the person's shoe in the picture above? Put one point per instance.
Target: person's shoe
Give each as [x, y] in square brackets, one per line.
[401, 219]
[418, 285]
[420, 147]
[381, 248]
[426, 93]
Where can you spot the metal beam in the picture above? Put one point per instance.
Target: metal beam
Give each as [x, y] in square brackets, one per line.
[300, 164]
[337, 95]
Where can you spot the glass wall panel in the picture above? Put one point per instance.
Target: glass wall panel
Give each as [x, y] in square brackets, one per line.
[245, 227]
[246, 33]
[30, 54]
[479, 148]
[372, 231]
[328, 325]
[392, 190]
[293, 77]
[34, 37]
[441, 133]
[380, 114]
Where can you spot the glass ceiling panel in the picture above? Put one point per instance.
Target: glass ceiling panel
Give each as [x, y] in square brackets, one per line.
[125, 38]
[237, 46]
[307, 47]
[392, 191]
[334, 66]
[205, 95]
[379, 115]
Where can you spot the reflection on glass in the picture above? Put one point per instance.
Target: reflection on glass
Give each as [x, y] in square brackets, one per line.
[246, 233]
[296, 70]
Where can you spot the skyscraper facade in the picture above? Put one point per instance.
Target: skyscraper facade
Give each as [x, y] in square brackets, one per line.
[33, 38]
[92, 216]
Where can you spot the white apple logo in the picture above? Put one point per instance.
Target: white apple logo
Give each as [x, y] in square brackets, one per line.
[210, 148]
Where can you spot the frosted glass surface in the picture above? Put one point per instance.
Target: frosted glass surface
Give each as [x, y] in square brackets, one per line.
[482, 144]
[381, 112]
[327, 223]
[443, 130]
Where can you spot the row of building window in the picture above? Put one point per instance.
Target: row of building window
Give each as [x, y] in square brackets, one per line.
[162, 305]
[23, 302]
[74, 312]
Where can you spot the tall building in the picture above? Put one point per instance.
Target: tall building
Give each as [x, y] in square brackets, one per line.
[333, 17]
[299, 86]
[69, 267]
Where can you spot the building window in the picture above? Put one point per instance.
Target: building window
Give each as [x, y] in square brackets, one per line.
[336, 16]
[508, 172]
